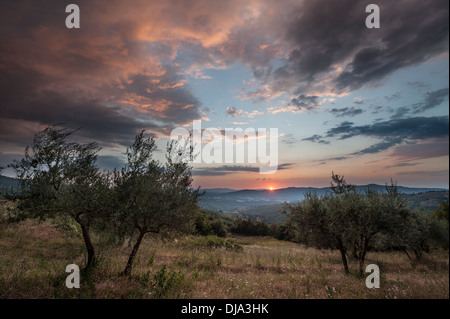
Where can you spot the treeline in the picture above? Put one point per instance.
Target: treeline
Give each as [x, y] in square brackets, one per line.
[352, 222]
[356, 223]
[59, 177]
[211, 223]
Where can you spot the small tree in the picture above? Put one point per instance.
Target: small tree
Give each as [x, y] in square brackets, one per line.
[347, 219]
[426, 232]
[442, 211]
[58, 176]
[317, 226]
[153, 197]
[379, 213]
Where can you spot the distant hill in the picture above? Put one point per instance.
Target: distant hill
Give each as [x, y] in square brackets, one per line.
[220, 190]
[267, 213]
[265, 205]
[427, 200]
[232, 200]
[8, 182]
[271, 213]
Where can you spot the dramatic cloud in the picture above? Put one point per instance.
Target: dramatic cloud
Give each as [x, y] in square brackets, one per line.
[25, 99]
[410, 128]
[391, 132]
[163, 97]
[156, 65]
[111, 77]
[332, 52]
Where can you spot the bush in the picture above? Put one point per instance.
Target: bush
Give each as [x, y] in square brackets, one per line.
[207, 223]
[284, 232]
[251, 228]
[167, 284]
[214, 242]
[218, 228]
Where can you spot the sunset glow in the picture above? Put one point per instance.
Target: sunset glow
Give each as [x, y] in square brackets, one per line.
[370, 104]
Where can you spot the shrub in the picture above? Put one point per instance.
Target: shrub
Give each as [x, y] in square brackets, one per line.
[214, 242]
[167, 284]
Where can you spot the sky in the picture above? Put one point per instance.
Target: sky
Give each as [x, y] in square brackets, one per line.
[369, 104]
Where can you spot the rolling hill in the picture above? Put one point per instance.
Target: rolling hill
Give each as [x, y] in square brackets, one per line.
[265, 205]
[8, 182]
[240, 199]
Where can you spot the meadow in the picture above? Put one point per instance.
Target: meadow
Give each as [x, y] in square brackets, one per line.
[34, 255]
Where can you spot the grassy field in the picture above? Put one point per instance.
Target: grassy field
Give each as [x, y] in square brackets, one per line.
[33, 257]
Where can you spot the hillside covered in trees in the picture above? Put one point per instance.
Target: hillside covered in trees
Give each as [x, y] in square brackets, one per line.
[61, 189]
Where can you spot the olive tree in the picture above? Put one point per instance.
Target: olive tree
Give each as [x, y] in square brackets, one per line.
[316, 226]
[59, 176]
[346, 219]
[153, 197]
[377, 213]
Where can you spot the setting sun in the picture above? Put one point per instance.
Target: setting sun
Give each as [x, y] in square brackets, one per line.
[271, 188]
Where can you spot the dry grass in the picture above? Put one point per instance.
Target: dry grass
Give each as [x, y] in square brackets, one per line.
[34, 256]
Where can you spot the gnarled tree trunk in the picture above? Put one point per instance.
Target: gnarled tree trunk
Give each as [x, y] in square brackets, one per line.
[129, 266]
[343, 254]
[87, 241]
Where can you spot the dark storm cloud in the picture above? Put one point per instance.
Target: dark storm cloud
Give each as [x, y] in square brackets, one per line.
[164, 97]
[346, 111]
[391, 133]
[96, 78]
[24, 99]
[412, 32]
[409, 128]
[325, 34]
